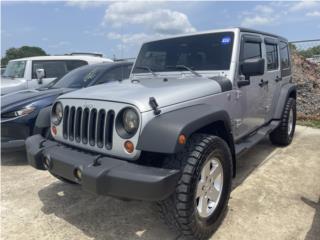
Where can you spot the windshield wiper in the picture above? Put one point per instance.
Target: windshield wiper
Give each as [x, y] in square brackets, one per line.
[148, 69]
[185, 67]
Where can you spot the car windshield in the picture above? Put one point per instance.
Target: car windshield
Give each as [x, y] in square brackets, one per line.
[210, 51]
[15, 69]
[78, 78]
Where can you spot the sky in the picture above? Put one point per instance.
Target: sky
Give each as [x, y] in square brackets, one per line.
[119, 28]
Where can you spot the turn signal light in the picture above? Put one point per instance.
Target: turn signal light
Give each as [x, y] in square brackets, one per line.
[182, 139]
[128, 145]
[54, 130]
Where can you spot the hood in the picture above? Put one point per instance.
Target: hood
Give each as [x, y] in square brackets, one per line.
[10, 85]
[26, 97]
[166, 91]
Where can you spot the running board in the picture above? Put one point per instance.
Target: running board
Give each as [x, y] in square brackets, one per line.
[254, 138]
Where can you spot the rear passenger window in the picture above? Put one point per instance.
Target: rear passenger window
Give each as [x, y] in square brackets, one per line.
[251, 50]
[284, 55]
[272, 56]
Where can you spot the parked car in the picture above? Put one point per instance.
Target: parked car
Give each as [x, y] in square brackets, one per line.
[172, 133]
[2, 70]
[34, 72]
[20, 110]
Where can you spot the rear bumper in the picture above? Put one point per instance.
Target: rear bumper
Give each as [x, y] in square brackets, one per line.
[105, 176]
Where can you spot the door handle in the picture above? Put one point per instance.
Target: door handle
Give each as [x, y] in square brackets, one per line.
[278, 79]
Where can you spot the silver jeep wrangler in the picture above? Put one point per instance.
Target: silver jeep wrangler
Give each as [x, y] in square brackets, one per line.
[172, 132]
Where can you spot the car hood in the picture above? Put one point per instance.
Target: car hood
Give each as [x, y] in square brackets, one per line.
[166, 91]
[9, 85]
[26, 97]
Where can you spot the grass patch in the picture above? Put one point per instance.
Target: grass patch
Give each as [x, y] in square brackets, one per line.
[309, 123]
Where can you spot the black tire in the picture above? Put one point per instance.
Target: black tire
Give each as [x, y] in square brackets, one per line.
[62, 179]
[281, 136]
[180, 209]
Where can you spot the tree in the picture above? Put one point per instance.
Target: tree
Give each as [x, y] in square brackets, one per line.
[24, 51]
[310, 52]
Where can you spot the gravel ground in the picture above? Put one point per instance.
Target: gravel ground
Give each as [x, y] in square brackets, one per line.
[275, 196]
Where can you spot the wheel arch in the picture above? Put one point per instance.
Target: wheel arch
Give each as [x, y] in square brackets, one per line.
[287, 91]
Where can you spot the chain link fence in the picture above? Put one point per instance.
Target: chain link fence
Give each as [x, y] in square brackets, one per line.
[310, 49]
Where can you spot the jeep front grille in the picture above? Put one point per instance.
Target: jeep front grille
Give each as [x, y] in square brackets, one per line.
[89, 126]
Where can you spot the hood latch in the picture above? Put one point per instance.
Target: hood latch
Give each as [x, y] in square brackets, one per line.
[154, 105]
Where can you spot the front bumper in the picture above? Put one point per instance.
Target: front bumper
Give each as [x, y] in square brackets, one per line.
[101, 174]
[13, 136]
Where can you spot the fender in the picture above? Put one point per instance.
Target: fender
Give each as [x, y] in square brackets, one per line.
[161, 134]
[286, 91]
[43, 119]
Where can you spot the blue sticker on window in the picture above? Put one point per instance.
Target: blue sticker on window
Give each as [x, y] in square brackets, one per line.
[225, 40]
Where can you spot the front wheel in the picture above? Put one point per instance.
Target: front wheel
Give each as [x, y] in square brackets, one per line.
[283, 134]
[200, 201]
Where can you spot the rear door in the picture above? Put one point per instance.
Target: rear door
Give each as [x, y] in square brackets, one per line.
[252, 95]
[272, 75]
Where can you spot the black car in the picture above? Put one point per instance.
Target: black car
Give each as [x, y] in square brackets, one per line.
[19, 111]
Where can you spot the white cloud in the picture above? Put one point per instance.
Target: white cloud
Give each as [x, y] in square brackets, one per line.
[86, 3]
[264, 9]
[158, 20]
[302, 5]
[256, 21]
[59, 44]
[313, 14]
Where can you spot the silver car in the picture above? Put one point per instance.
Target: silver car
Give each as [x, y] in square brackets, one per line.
[172, 133]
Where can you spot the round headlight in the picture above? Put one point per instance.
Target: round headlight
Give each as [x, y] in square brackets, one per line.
[57, 113]
[127, 123]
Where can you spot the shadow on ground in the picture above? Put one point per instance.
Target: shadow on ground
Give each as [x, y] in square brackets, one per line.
[100, 217]
[314, 232]
[17, 158]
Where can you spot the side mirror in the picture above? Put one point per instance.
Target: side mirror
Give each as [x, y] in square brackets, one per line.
[40, 74]
[252, 67]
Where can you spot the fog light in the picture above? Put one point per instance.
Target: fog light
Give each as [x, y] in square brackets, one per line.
[78, 174]
[128, 145]
[54, 130]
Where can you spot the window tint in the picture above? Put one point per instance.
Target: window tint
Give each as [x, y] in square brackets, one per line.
[56, 68]
[78, 78]
[199, 52]
[284, 55]
[53, 69]
[251, 50]
[115, 74]
[272, 56]
[72, 64]
[15, 69]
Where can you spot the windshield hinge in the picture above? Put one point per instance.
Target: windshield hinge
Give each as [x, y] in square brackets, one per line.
[154, 105]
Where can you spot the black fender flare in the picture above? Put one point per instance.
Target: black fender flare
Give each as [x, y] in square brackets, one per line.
[43, 119]
[285, 92]
[161, 134]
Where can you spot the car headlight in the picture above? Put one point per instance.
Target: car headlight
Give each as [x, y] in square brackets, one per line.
[127, 122]
[57, 113]
[21, 112]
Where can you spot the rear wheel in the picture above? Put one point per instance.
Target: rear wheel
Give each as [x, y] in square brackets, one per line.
[284, 133]
[200, 201]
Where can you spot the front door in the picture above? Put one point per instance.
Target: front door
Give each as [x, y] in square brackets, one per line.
[252, 96]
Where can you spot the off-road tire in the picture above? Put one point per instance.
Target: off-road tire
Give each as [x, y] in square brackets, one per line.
[180, 210]
[280, 135]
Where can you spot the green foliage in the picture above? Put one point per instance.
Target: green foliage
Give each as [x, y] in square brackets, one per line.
[310, 123]
[310, 52]
[24, 51]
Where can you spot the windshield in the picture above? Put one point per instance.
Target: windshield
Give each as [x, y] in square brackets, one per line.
[15, 69]
[78, 78]
[198, 52]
